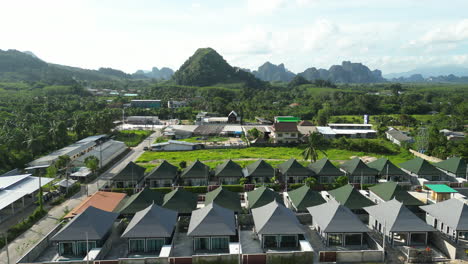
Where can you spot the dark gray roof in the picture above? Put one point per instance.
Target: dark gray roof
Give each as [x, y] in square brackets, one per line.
[196, 170]
[398, 135]
[274, 218]
[131, 172]
[293, 168]
[92, 223]
[165, 170]
[453, 213]
[259, 168]
[212, 220]
[334, 217]
[397, 217]
[151, 222]
[229, 169]
[324, 167]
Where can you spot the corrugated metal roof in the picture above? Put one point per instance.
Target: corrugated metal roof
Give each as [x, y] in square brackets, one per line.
[16, 187]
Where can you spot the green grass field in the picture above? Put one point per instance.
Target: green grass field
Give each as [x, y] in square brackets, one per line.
[273, 155]
[132, 137]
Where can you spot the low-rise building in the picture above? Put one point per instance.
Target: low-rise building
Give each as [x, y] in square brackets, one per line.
[277, 226]
[303, 197]
[212, 228]
[139, 201]
[196, 174]
[453, 135]
[128, 177]
[398, 224]
[224, 198]
[228, 172]
[143, 120]
[388, 171]
[325, 171]
[150, 229]
[259, 172]
[86, 231]
[440, 192]
[106, 201]
[262, 196]
[358, 172]
[146, 103]
[175, 145]
[353, 130]
[349, 197]
[387, 191]
[449, 217]
[337, 225]
[173, 104]
[164, 175]
[285, 132]
[180, 200]
[455, 167]
[420, 168]
[293, 172]
[398, 137]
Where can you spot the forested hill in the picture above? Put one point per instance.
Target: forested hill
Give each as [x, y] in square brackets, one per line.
[24, 66]
[206, 67]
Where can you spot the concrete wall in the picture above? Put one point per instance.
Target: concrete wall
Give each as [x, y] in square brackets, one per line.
[363, 256]
[37, 250]
[144, 261]
[426, 157]
[221, 259]
[445, 245]
[289, 257]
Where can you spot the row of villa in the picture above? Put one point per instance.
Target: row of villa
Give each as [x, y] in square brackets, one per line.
[291, 171]
[159, 226]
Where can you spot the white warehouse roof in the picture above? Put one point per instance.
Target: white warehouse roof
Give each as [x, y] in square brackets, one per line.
[13, 188]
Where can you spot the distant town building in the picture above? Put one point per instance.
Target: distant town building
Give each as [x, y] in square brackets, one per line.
[143, 120]
[453, 135]
[146, 103]
[172, 104]
[398, 137]
[285, 132]
[205, 118]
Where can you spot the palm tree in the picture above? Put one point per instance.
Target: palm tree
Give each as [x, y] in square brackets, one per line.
[313, 147]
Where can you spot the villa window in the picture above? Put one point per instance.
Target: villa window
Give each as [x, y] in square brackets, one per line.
[202, 243]
[270, 241]
[137, 245]
[66, 248]
[335, 239]
[219, 243]
[288, 241]
[154, 245]
[81, 249]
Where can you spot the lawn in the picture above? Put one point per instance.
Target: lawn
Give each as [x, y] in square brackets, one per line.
[274, 156]
[132, 137]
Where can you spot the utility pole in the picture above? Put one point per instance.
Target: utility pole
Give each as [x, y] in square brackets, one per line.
[387, 171]
[87, 249]
[6, 248]
[384, 242]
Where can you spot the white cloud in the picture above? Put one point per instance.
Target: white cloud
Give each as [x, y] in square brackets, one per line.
[256, 7]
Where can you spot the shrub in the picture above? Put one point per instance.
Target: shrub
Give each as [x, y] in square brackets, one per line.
[234, 188]
[162, 189]
[295, 186]
[196, 189]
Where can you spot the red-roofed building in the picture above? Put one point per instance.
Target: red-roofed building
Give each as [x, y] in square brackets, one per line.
[106, 201]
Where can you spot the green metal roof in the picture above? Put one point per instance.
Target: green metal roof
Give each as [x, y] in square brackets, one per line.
[180, 200]
[165, 170]
[281, 119]
[293, 168]
[140, 201]
[304, 197]
[420, 167]
[391, 190]
[454, 165]
[229, 169]
[262, 196]
[260, 169]
[324, 167]
[131, 172]
[224, 198]
[196, 170]
[384, 166]
[356, 167]
[350, 197]
[440, 188]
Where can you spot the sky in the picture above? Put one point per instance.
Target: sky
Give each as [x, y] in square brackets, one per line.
[390, 35]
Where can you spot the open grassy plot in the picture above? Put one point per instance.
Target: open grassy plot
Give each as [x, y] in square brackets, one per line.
[132, 137]
[273, 155]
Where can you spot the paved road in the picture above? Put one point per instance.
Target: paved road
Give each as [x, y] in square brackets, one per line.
[28, 239]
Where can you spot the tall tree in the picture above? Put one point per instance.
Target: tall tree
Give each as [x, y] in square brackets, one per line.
[313, 147]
